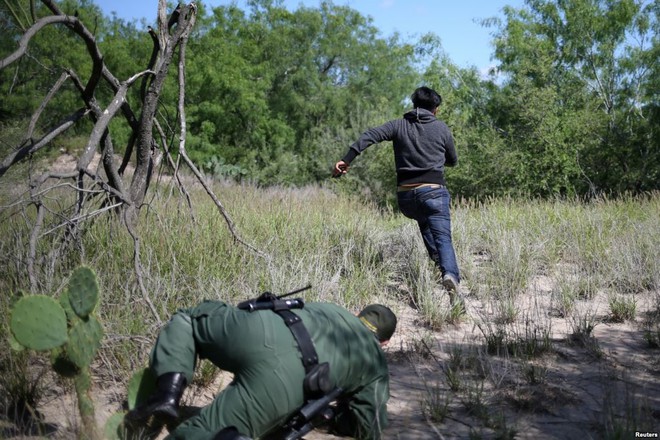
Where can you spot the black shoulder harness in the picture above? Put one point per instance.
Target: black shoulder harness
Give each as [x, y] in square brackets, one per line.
[269, 301]
[318, 387]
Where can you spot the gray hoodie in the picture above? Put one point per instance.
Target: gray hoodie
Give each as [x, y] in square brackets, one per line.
[423, 145]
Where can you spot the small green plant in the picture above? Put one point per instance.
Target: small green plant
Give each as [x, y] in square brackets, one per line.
[456, 358]
[453, 378]
[531, 342]
[564, 300]
[622, 308]
[586, 287]
[534, 340]
[205, 374]
[421, 346]
[495, 339]
[456, 313]
[69, 331]
[503, 431]
[535, 374]
[583, 327]
[20, 389]
[473, 400]
[651, 325]
[507, 310]
[435, 404]
[651, 329]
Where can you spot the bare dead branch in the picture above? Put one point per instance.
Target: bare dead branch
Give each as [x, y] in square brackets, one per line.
[87, 92]
[127, 153]
[138, 268]
[174, 18]
[89, 185]
[99, 67]
[109, 166]
[103, 121]
[143, 92]
[33, 14]
[114, 176]
[107, 188]
[184, 154]
[176, 178]
[89, 39]
[162, 21]
[30, 33]
[52, 6]
[44, 103]
[19, 154]
[76, 220]
[155, 50]
[32, 252]
[18, 20]
[79, 28]
[143, 162]
[39, 194]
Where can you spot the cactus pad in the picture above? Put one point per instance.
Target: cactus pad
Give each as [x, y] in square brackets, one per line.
[140, 387]
[84, 341]
[83, 291]
[114, 427]
[66, 305]
[38, 322]
[13, 343]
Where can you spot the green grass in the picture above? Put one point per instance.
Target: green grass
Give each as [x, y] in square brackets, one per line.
[352, 253]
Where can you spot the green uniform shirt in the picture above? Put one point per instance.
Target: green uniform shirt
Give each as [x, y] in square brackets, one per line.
[268, 372]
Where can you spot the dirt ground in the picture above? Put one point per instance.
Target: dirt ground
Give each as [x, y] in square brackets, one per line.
[573, 391]
[446, 383]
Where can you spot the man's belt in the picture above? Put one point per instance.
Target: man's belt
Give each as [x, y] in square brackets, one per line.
[403, 188]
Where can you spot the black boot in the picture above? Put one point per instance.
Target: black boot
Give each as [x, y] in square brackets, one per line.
[163, 404]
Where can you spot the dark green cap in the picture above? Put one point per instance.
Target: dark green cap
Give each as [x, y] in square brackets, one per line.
[380, 320]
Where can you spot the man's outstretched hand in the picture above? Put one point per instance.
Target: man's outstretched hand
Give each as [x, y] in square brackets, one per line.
[340, 169]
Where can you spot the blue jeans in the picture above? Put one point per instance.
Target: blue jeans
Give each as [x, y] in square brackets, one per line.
[430, 207]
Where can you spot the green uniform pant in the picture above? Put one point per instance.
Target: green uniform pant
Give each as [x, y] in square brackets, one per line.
[257, 347]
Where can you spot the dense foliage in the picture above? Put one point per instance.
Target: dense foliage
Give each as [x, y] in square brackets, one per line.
[276, 96]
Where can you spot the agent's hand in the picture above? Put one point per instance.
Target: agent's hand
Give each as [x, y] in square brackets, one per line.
[340, 169]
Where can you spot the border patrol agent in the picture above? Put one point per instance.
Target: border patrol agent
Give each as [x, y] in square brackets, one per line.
[269, 368]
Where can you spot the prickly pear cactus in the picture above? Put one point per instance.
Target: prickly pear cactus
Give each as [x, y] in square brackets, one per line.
[84, 341]
[39, 323]
[83, 291]
[66, 305]
[69, 330]
[85, 336]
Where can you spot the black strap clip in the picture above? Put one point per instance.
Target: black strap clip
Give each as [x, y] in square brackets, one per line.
[270, 301]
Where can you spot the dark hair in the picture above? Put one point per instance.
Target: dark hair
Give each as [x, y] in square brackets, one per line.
[426, 98]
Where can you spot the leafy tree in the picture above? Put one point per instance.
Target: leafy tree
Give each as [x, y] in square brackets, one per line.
[273, 95]
[576, 68]
[274, 80]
